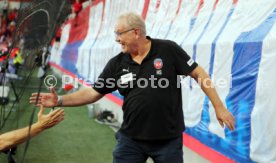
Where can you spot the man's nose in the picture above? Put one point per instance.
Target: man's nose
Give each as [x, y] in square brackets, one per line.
[117, 39]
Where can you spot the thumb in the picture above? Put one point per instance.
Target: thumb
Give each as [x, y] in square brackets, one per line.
[41, 111]
[52, 90]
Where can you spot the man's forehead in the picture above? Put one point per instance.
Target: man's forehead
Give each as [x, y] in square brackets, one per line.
[120, 24]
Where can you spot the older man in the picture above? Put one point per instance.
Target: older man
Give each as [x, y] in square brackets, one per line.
[153, 117]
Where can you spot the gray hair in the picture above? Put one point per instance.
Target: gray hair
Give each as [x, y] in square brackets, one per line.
[134, 20]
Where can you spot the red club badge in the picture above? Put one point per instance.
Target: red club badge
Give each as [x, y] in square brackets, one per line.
[158, 63]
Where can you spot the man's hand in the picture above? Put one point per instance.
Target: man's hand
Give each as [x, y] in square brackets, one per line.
[225, 117]
[48, 100]
[46, 121]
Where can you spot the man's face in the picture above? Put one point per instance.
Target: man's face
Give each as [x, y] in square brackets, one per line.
[125, 36]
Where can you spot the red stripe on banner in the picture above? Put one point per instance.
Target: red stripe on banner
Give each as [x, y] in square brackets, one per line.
[190, 142]
[62, 69]
[178, 9]
[201, 3]
[204, 150]
[157, 5]
[179, 5]
[145, 9]
[95, 2]
[79, 26]
[215, 5]
[69, 73]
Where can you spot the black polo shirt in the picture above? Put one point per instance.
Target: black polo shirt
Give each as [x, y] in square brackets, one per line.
[152, 95]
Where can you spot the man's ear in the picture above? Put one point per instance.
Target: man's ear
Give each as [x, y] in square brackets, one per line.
[137, 33]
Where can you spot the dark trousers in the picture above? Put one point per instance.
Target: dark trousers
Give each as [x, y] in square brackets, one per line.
[132, 151]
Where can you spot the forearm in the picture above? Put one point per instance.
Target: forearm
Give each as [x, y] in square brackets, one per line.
[208, 87]
[223, 115]
[81, 97]
[13, 138]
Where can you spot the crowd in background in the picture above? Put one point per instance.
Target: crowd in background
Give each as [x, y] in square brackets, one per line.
[7, 26]
[7, 30]
[8, 16]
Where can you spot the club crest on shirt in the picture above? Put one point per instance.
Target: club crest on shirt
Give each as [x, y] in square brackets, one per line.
[158, 63]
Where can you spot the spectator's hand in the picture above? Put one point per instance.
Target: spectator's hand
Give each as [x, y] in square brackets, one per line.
[46, 121]
[225, 117]
[46, 99]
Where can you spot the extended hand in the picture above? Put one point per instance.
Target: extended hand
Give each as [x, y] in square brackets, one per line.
[46, 99]
[46, 121]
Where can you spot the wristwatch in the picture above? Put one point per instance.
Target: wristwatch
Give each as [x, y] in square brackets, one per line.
[59, 101]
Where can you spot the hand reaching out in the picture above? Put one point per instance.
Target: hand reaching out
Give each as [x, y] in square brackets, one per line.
[46, 121]
[46, 99]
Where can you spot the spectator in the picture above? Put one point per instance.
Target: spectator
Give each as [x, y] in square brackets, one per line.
[77, 6]
[12, 15]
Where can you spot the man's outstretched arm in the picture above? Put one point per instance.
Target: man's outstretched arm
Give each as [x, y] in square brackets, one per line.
[223, 115]
[12, 138]
[80, 97]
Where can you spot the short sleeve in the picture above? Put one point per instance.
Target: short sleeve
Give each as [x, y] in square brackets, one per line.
[184, 64]
[106, 82]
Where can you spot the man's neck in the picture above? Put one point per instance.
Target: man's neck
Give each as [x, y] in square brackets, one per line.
[142, 51]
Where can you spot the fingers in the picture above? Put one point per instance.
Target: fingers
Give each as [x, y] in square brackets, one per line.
[52, 90]
[45, 99]
[33, 99]
[58, 120]
[52, 118]
[230, 122]
[57, 116]
[41, 111]
[61, 117]
[56, 113]
[231, 125]
[34, 94]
